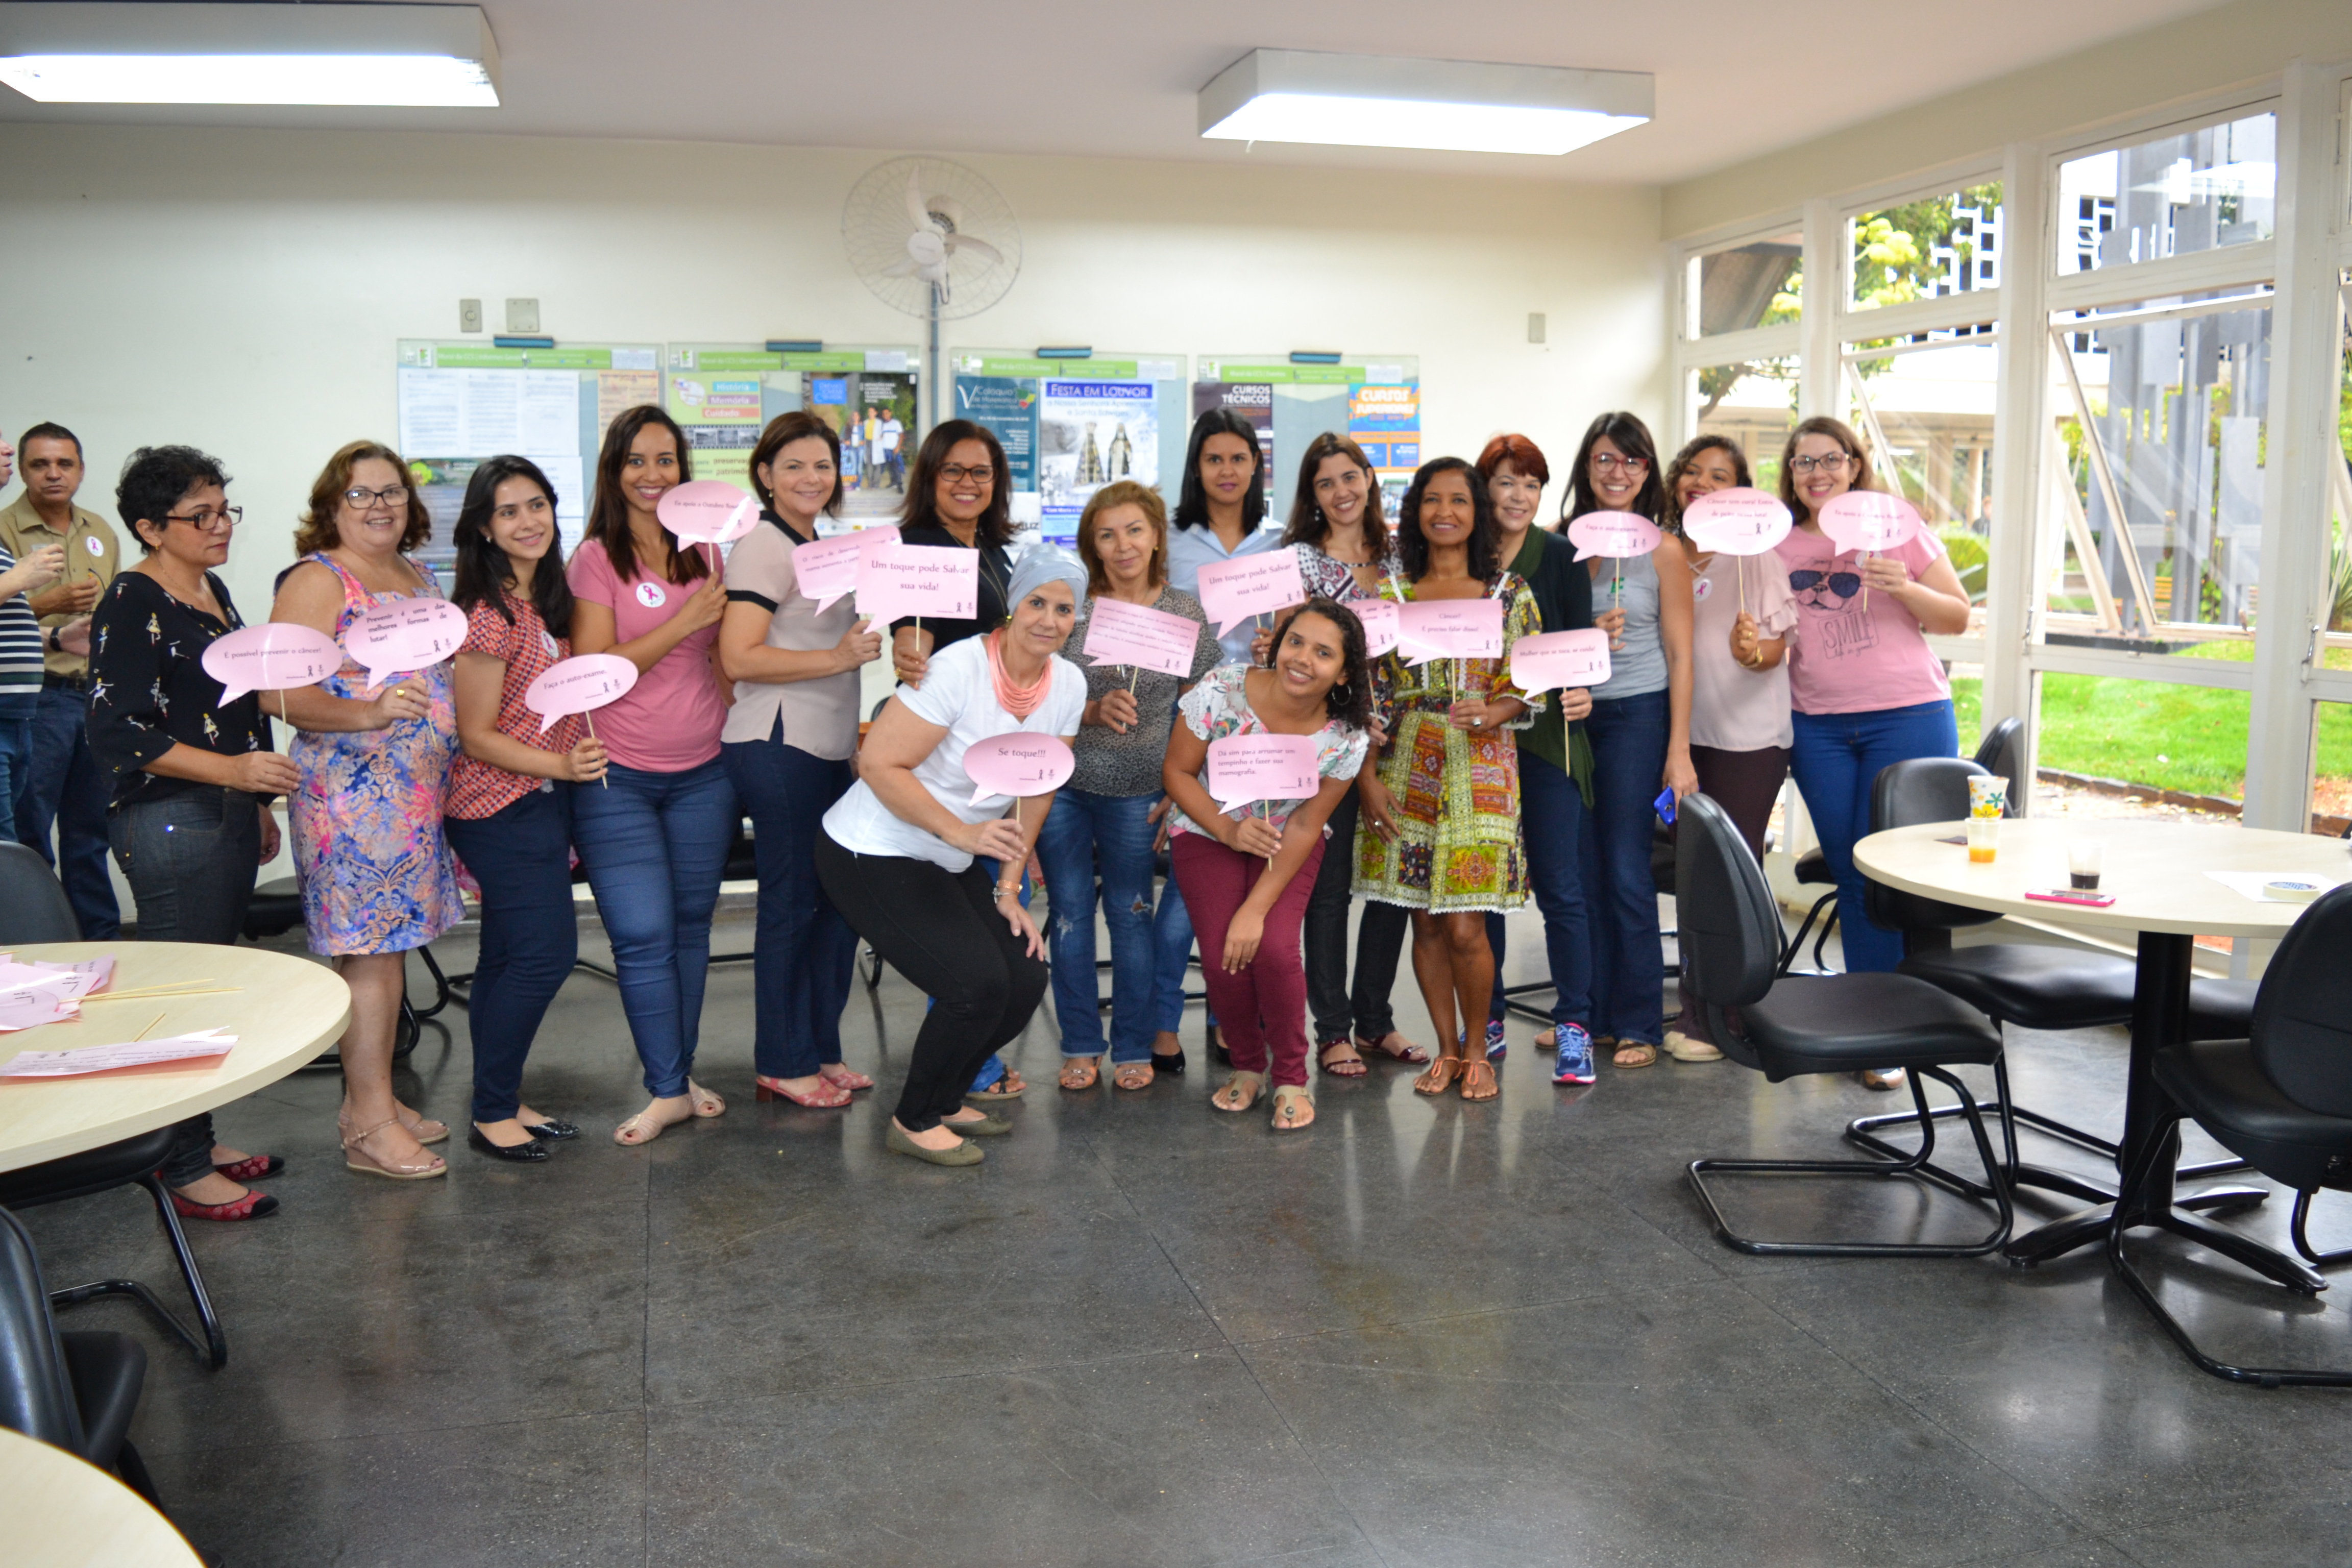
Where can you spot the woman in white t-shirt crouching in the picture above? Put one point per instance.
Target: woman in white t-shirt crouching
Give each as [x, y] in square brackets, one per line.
[897, 853]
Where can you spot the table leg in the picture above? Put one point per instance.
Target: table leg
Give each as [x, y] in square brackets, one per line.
[2159, 1018]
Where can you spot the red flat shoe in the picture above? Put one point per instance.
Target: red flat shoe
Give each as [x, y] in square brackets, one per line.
[845, 1079]
[253, 1206]
[252, 1168]
[831, 1098]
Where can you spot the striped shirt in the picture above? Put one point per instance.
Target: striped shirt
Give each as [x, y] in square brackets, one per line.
[20, 651]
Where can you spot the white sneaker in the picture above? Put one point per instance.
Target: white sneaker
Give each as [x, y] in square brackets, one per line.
[1682, 1049]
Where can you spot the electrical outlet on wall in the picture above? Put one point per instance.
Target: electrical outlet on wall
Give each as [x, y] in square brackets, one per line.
[522, 315]
[470, 315]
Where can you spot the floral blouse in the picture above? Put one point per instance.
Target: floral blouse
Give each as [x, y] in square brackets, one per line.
[1219, 706]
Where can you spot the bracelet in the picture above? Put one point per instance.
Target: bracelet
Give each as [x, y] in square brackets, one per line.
[1003, 892]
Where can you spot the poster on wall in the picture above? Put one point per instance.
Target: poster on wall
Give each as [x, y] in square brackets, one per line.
[1070, 427]
[1374, 399]
[723, 395]
[460, 402]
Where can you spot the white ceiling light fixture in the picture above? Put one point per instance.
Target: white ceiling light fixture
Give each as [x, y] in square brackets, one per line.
[1377, 100]
[427, 57]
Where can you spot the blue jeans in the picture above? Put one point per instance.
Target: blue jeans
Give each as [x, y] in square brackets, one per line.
[520, 856]
[1836, 759]
[1171, 959]
[1629, 967]
[1086, 834]
[63, 789]
[16, 766]
[1552, 818]
[805, 952]
[654, 846]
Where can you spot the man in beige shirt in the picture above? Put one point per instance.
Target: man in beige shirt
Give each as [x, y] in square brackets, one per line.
[64, 790]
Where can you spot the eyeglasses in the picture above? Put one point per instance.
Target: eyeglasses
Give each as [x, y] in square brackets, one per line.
[956, 473]
[391, 495]
[1845, 584]
[1828, 463]
[1604, 462]
[206, 521]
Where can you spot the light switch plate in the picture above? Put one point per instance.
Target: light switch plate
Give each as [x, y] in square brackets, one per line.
[522, 315]
[470, 315]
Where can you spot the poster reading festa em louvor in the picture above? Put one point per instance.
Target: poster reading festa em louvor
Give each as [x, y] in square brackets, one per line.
[1091, 434]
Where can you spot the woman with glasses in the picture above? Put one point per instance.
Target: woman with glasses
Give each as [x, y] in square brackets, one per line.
[1640, 732]
[374, 869]
[1867, 688]
[191, 777]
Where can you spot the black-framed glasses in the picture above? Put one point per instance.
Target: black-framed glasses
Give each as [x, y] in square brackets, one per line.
[1605, 461]
[363, 498]
[1828, 463]
[204, 519]
[956, 473]
[1845, 584]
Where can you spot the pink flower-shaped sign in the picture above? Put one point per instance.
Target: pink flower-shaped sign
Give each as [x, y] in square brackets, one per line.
[707, 512]
[1869, 521]
[1553, 659]
[1017, 764]
[580, 684]
[1742, 521]
[408, 634]
[1616, 534]
[273, 656]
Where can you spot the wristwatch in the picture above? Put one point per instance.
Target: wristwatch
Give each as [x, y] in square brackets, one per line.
[53, 645]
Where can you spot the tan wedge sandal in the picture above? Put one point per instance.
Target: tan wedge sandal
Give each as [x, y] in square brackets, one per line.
[357, 1158]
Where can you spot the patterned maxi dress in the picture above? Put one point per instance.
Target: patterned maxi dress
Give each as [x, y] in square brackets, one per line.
[376, 874]
[1458, 845]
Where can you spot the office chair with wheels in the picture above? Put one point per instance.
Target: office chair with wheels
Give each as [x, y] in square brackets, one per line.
[76, 1392]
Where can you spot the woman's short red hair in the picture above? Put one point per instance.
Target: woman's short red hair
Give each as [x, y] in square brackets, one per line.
[1518, 451]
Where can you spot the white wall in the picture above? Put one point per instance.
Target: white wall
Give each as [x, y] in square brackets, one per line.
[242, 290]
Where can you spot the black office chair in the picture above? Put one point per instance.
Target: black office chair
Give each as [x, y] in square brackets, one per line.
[1812, 869]
[76, 1392]
[2029, 984]
[2002, 752]
[2282, 1098]
[1830, 1023]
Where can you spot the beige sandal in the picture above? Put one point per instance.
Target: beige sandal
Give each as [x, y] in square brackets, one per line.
[421, 1127]
[638, 1131]
[354, 1154]
[1634, 1054]
[1133, 1075]
[1079, 1073]
[1294, 1108]
[705, 1103]
[1245, 1084]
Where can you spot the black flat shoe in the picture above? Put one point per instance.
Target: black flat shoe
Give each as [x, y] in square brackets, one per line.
[531, 1154]
[1172, 1066]
[554, 1131]
[1217, 1052]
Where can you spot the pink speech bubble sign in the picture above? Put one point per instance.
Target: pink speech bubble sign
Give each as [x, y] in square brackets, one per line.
[1742, 521]
[826, 569]
[1017, 764]
[1245, 768]
[1450, 628]
[581, 684]
[1380, 625]
[1554, 660]
[895, 580]
[1121, 632]
[1233, 591]
[408, 634]
[1616, 534]
[1869, 521]
[707, 512]
[273, 656]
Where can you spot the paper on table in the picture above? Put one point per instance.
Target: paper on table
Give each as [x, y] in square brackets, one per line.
[88, 1059]
[2249, 884]
[76, 980]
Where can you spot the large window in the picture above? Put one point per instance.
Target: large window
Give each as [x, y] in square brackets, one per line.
[1752, 403]
[1760, 283]
[2183, 192]
[1927, 249]
[1925, 410]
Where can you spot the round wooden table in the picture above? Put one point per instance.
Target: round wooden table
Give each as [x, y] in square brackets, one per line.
[283, 1010]
[2156, 873]
[64, 1513]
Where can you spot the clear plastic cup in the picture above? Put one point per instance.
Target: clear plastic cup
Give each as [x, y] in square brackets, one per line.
[2083, 857]
[1984, 839]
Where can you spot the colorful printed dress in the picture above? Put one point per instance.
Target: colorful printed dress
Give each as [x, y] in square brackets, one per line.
[375, 873]
[1458, 845]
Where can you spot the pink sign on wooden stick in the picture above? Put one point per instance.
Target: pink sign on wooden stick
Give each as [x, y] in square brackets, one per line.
[1450, 628]
[707, 512]
[1017, 764]
[826, 569]
[273, 656]
[406, 635]
[1869, 521]
[1742, 521]
[1617, 535]
[1245, 768]
[1380, 618]
[1233, 591]
[895, 580]
[1121, 632]
[580, 684]
[1554, 660]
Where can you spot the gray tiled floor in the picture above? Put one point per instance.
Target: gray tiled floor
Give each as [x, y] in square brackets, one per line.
[1419, 1334]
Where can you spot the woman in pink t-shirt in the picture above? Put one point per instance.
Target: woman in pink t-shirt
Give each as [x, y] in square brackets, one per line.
[1868, 691]
[653, 838]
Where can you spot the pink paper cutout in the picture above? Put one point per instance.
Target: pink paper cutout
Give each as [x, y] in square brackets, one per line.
[1450, 628]
[1742, 521]
[1553, 659]
[1246, 768]
[1233, 591]
[406, 635]
[1121, 632]
[826, 569]
[707, 512]
[1016, 763]
[274, 656]
[1380, 625]
[1869, 521]
[1615, 534]
[581, 684]
[895, 580]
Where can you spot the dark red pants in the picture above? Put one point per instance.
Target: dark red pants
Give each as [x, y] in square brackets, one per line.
[1262, 1010]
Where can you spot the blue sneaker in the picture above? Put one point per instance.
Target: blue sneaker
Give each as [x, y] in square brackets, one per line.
[1497, 1047]
[1575, 1065]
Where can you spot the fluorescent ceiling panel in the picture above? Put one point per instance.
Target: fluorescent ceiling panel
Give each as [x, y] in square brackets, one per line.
[1370, 100]
[398, 56]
